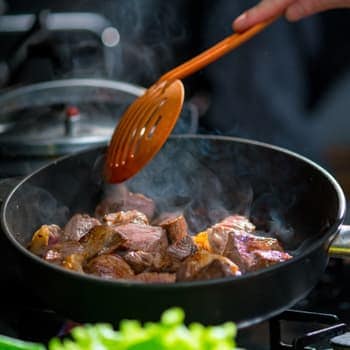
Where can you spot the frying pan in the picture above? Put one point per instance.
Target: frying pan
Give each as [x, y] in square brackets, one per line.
[289, 194]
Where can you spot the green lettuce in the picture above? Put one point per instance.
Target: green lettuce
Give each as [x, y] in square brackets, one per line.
[169, 334]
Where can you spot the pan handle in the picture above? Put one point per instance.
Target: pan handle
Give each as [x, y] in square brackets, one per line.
[340, 246]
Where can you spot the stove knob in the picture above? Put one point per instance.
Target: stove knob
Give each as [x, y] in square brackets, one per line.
[71, 121]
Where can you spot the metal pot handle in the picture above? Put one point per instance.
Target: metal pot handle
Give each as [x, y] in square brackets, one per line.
[340, 246]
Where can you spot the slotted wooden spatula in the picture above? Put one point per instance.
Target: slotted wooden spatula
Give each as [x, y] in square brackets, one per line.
[149, 120]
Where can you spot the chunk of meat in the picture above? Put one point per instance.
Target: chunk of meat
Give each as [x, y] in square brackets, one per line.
[109, 266]
[142, 237]
[215, 269]
[46, 235]
[155, 277]
[238, 246]
[263, 243]
[195, 263]
[58, 252]
[78, 226]
[139, 260]
[101, 239]
[124, 201]
[152, 262]
[125, 217]
[266, 258]
[175, 227]
[237, 222]
[182, 248]
[218, 234]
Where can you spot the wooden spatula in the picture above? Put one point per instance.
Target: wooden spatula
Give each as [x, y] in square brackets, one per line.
[149, 120]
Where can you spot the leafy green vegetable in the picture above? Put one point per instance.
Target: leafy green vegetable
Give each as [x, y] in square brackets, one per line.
[7, 343]
[169, 334]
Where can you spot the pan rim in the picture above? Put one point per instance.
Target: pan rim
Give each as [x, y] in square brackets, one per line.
[328, 234]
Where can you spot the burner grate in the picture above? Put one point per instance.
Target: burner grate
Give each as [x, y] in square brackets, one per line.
[328, 327]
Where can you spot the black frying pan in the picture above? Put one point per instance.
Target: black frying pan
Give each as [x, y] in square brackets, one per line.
[277, 188]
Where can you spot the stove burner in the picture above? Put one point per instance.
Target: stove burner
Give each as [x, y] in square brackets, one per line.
[314, 339]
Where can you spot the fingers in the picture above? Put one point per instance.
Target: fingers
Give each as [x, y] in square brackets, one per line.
[301, 8]
[293, 10]
[261, 12]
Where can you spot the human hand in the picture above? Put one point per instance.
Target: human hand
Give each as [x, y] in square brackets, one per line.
[293, 10]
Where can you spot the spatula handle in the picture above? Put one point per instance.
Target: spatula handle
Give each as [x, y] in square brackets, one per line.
[215, 52]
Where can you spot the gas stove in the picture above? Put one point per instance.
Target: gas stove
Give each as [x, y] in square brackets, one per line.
[320, 321]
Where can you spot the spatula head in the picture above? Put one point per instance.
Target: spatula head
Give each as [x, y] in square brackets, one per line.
[143, 129]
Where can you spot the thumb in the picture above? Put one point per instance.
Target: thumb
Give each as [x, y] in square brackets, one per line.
[263, 11]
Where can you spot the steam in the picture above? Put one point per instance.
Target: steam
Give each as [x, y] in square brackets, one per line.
[181, 181]
[149, 32]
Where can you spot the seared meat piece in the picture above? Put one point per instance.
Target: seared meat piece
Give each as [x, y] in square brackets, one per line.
[266, 258]
[78, 226]
[194, 264]
[142, 237]
[125, 217]
[44, 237]
[182, 248]
[237, 222]
[109, 266]
[238, 246]
[263, 243]
[215, 269]
[58, 252]
[155, 277]
[139, 260]
[101, 239]
[175, 227]
[124, 201]
[152, 262]
[218, 234]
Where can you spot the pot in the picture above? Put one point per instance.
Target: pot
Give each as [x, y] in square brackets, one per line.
[46, 120]
[296, 197]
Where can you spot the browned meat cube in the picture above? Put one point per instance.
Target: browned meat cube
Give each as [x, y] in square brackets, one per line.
[195, 263]
[46, 235]
[175, 227]
[182, 248]
[218, 234]
[155, 277]
[152, 262]
[109, 266]
[78, 226]
[238, 246]
[215, 269]
[263, 243]
[59, 251]
[237, 222]
[124, 201]
[266, 258]
[142, 237]
[101, 239]
[125, 217]
[139, 260]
